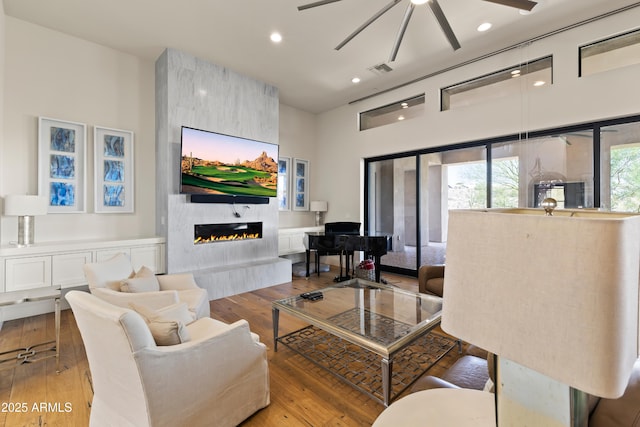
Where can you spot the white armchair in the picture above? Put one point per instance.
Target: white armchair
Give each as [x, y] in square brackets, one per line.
[105, 281]
[220, 377]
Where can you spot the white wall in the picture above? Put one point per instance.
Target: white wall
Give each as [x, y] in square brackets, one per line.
[54, 75]
[2, 62]
[50, 74]
[298, 140]
[570, 100]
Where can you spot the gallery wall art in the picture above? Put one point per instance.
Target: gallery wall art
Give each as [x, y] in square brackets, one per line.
[300, 183]
[284, 164]
[62, 151]
[113, 154]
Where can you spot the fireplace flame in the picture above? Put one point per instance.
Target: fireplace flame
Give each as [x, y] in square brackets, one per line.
[225, 238]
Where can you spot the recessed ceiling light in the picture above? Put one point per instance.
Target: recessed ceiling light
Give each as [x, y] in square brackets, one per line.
[539, 83]
[276, 37]
[419, 2]
[404, 105]
[484, 26]
[355, 80]
[400, 117]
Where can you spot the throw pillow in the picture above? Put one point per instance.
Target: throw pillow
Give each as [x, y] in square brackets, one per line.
[109, 273]
[165, 330]
[140, 284]
[145, 272]
[179, 312]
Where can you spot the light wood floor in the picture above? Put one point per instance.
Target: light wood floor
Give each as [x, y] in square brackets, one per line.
[301, 393]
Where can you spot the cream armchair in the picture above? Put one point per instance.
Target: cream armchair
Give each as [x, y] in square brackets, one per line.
[219, 377]
[105, 281]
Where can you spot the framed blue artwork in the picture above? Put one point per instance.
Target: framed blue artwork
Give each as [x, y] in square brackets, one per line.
[300, 183]
[284, 164]
[62, 158]
[114, 189]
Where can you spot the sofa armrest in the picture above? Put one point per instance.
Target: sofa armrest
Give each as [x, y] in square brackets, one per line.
[225, 366]
[177, 282]
[426, 273]
[429, 381]
[154, 300]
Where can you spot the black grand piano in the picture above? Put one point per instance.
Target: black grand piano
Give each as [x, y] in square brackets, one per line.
[344, 238]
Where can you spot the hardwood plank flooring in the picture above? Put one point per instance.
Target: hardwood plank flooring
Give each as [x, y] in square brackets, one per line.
[302, 394]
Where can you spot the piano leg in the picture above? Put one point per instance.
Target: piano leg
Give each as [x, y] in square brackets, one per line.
[347, 271]
[376, 262]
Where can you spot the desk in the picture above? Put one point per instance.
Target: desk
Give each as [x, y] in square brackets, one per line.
[31, 354]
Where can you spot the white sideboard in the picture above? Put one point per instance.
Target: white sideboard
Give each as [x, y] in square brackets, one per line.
[60, 263]
[291, 240]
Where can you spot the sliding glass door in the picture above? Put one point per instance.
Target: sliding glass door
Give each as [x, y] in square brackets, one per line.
[525, 172]
[620, 167]
[408, 196]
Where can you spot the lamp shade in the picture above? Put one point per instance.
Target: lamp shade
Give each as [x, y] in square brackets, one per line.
[318, 206]
[25, 205]
[557, 294]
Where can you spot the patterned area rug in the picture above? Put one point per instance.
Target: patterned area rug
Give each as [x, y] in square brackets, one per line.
[362, 368]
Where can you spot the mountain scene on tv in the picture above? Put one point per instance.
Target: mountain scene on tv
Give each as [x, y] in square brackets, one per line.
[257, 177]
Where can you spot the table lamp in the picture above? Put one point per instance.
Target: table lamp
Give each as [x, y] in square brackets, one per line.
[25, 207]
[318, 207]
[555, 297]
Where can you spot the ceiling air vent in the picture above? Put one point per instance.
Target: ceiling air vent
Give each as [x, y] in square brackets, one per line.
[380, 69]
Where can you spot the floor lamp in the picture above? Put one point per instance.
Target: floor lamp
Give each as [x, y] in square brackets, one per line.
[555, 297]
[25, 207]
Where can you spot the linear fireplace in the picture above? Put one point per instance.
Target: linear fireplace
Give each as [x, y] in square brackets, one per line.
[211, 233]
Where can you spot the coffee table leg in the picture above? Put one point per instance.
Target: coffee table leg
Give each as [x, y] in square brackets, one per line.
[387, 369]
[275, 314]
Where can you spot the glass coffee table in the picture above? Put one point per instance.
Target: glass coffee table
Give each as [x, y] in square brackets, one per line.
[355, 323]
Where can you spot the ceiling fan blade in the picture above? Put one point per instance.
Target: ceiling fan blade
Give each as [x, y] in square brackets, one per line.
[403, 28]
[367, 23]
[444, 24]
[315, 4]
[518, 4]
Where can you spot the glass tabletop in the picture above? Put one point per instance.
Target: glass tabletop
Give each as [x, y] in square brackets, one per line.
[380, 317]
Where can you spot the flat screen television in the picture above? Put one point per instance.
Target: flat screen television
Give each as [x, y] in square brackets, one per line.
[213, 163]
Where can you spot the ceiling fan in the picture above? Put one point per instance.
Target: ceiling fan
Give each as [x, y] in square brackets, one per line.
[435, 8]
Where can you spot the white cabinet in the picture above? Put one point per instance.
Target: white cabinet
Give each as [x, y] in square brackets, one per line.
[149, 256]
[105, 254]
[291, 240]
[27, 273]
[60, 263]
[66, 269]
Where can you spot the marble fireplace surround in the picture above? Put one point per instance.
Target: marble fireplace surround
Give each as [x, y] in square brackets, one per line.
[194, 93]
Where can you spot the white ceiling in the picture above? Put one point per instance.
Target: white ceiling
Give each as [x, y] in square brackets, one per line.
[310, 74]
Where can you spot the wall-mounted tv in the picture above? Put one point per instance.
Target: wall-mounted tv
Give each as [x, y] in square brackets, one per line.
[213, 163]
